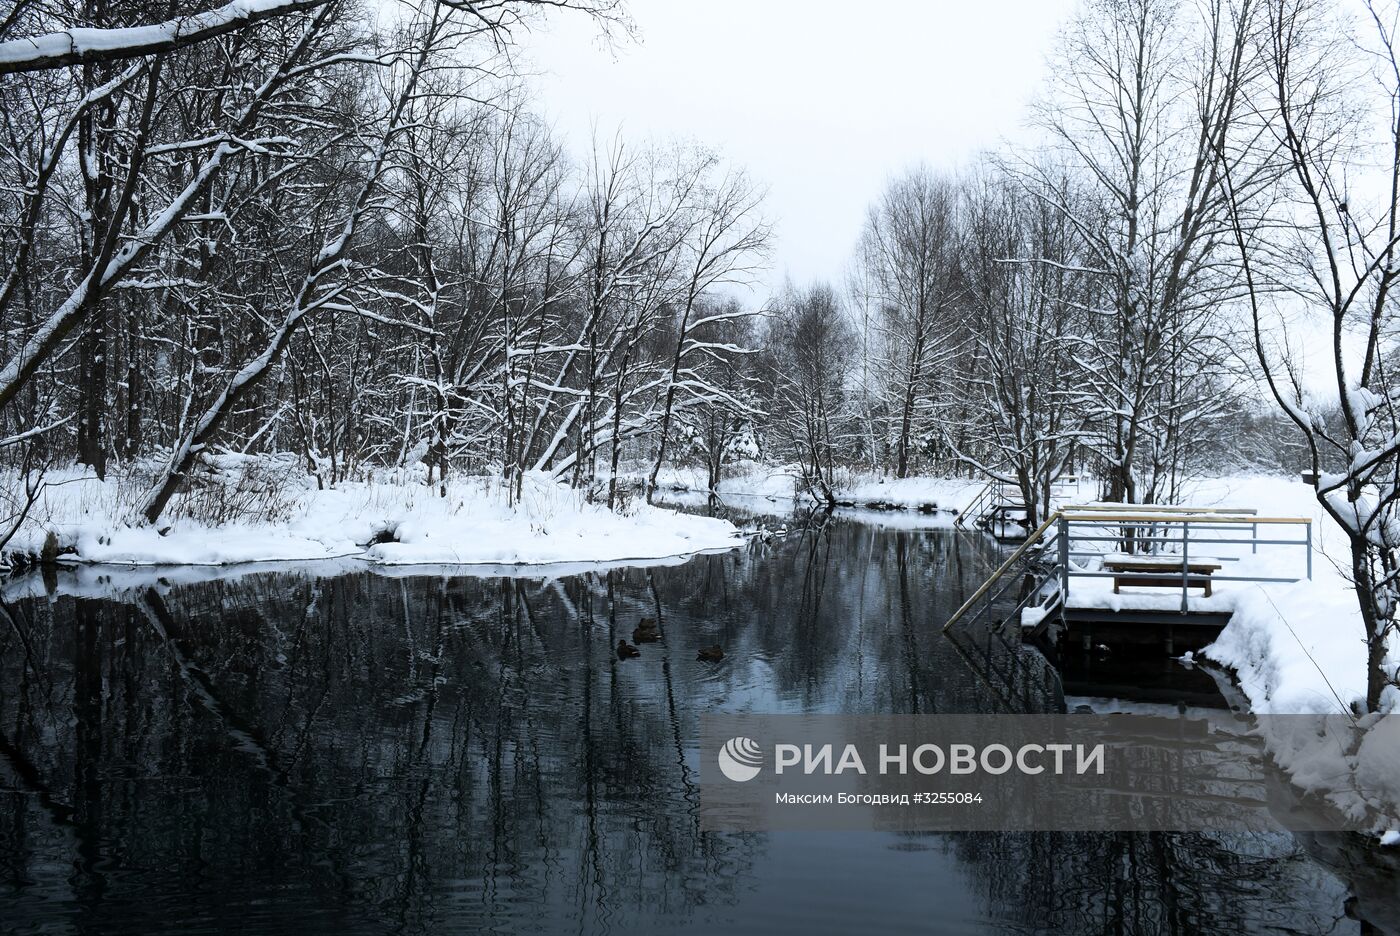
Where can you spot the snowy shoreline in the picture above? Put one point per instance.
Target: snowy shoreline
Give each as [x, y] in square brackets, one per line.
[118, 581]
[926, 495]
[1297, 648]
[386, 522]
[1310, 661]
[1293, 648]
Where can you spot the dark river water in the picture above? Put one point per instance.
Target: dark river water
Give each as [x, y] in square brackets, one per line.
[288, 752]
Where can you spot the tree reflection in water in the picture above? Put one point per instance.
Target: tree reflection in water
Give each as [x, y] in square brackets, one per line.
[366, 753]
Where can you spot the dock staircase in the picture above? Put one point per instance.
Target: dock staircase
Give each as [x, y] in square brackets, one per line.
[996, 506]
[1029, 586]
[1000, 508]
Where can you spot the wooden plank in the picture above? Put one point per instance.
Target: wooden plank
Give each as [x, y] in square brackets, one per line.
[1151, 565]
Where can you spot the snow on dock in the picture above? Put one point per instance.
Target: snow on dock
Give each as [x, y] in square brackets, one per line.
[1149, 569]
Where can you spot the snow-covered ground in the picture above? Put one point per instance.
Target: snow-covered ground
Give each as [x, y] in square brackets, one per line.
[744, 479]
[473, 524]
[951, 495]
[126, 582]
[858, 489]
[1299, 649]
[1296, 647]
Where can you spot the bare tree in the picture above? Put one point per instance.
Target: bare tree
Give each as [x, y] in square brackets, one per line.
[279, 226]
[1147, 97]
[718, 416]
[637, 203]
[908, 255]
[1027, 301]
[727, 237]
[330, 281]
[121, 246]
[89, 45]
[810, 344]
[1330, 248]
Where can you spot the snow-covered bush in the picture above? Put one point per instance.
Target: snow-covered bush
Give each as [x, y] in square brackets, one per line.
[231, 488]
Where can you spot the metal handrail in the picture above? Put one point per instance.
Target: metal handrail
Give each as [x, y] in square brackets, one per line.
[1150, 519]
[972, 508]
[1001, 570]
[994, 490]
[1163, 508]
[1031, 597]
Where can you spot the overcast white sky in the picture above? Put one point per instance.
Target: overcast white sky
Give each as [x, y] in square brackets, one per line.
[822, 101]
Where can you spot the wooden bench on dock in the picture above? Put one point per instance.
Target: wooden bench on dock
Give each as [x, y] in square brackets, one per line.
[1151, 572]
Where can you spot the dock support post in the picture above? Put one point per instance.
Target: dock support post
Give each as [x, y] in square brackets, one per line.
[1309, 533]
[1062, 531]
[1185, 564]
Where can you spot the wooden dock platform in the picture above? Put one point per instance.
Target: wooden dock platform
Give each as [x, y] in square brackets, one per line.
[1135, 575]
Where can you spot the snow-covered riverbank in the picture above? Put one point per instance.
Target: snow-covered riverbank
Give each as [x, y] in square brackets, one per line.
[387, 521]
[1296, 647]
[851, 488]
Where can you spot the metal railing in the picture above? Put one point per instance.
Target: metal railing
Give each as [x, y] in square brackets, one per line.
[1067, 545]
[1172, 533]
[1027, 560]
[985, 497]
[1108, 507]
[997, 493]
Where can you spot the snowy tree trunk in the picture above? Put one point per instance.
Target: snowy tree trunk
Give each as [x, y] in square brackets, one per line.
[1377, 614]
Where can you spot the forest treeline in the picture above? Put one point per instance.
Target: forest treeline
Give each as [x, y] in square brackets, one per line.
[355, 242]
